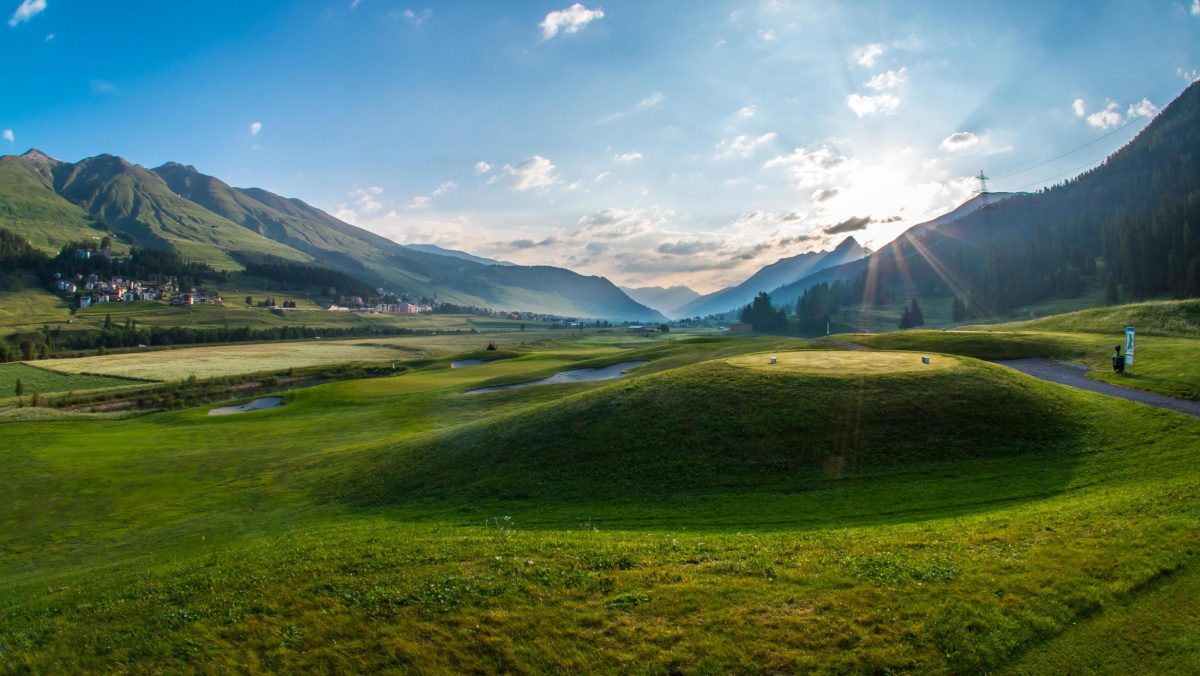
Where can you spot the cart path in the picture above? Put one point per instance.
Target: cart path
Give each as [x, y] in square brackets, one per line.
[1074, 375]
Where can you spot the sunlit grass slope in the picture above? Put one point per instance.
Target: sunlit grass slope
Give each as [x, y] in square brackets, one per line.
[1164, 364]
[708, 513]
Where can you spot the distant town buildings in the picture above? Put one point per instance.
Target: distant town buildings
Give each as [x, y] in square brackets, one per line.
[89, 289]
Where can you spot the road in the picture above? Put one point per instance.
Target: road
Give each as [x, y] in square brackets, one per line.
[1074, 375]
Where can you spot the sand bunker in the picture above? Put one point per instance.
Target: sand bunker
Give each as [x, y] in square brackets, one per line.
[574, 376]
[256, 405]
[463, 363]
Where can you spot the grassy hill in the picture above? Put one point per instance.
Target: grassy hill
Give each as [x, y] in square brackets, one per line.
[30, 207]
[836, 512]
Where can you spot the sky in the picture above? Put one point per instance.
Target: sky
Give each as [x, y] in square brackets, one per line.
[654, 143]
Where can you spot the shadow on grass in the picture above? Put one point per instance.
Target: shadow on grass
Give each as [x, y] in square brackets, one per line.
[714, 446]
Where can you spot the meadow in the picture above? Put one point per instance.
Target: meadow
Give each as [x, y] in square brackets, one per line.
[235, 359]
[45, 381]
[846, 511]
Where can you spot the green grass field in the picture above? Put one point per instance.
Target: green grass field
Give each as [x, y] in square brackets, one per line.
[44, 381]
[30, 310]
[213, 361]
[844, 512]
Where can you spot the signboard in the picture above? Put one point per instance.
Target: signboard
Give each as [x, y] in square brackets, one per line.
[1129, 346]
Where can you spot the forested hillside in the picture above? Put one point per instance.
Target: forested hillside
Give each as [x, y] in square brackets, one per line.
[1130, 226]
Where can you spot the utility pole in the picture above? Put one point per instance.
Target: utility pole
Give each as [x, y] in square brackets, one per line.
[983, 179]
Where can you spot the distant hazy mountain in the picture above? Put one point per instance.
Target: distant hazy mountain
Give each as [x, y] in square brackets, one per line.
[455, 253]
[204, 219]
[661, 298]
[779, 273]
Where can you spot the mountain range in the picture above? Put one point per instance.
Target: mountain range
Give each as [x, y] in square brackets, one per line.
[781, 272]
[205, 220]
[1129, 226]
[661, 298]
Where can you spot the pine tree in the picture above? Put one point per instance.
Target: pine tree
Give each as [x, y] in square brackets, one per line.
[915, 316]
[906, 319]
[108, 322]
[20, 389]
[959, 310]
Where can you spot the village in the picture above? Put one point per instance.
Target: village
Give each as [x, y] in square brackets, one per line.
[84, 290]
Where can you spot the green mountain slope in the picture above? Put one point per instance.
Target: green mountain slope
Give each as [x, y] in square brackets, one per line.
[411, 270]
[30, 207]
[138, 205]
[205, 220]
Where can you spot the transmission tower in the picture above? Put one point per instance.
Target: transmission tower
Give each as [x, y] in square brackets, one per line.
[983, 179]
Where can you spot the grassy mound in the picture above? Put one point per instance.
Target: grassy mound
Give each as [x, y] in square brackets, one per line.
[1162, 318]
[721, 426]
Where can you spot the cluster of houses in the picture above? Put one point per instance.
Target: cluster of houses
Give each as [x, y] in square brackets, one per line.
[382, 308]
[91, 289]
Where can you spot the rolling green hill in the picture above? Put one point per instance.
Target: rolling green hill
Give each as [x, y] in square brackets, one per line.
[842, 512]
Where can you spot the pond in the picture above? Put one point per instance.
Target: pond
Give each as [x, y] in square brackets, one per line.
[256, 405]
[573, 376]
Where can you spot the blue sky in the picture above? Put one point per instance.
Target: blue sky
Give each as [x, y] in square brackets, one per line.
[651, 142]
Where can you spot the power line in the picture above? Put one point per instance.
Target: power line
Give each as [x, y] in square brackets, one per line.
[1069, 152]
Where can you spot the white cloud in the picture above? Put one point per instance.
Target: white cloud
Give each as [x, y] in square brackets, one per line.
[627, 157]
[866, 55]
[1195, 7]
[621, 223]
[651, 101]
[812, 168]
[355, 3]
[744, 145]
[417, 18]
[889, 80]
[482, 168]
[960, 140]
[1079, 107]
[601, 176]
[362, 202]
[8, 136]
[568, 21]
[746, 112]
[879, 104]
[824, 194]
[255, 127]
[426, 201]
[26, 11]
[969, 142]
[1143, 108]
[1107, 118]
[535, 173]
[49, 37]
[766, 34]
[1189, 75]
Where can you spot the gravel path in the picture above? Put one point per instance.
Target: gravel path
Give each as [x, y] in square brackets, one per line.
[1073, 375]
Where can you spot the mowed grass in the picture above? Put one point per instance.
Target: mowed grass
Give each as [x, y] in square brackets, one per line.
[234, 313]
[698, 516]
[1164, 364]
[43, 381]
[212, 361]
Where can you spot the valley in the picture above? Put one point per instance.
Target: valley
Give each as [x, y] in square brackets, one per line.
[770, 337]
